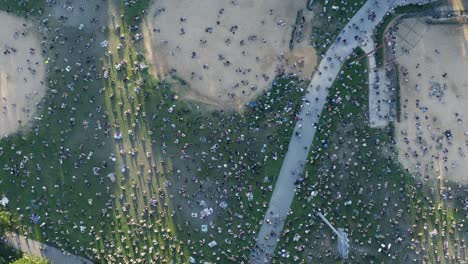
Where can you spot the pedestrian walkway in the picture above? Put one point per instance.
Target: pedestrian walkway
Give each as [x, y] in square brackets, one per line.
[379, 92]
[293, 165]
[32, 247]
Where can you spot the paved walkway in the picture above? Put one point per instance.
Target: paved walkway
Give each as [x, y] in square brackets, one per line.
[299, 146]
[380, 93]
[54, 255]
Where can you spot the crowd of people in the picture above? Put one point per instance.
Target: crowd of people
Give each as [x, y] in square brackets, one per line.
[171, 186]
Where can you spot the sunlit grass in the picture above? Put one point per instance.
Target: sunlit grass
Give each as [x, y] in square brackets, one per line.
[328, 176]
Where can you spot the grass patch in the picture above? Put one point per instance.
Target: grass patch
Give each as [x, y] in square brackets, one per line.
[166, 150]
[134, 11]
[49, 171]
[353, 163]
[8, 254]
[328, 22]
[397, 93]
[23, 8]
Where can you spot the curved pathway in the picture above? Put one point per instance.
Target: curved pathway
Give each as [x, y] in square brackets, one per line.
[317, 92]
[32, 247]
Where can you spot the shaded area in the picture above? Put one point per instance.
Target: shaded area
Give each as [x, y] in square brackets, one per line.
[57, 176]
[354, 180]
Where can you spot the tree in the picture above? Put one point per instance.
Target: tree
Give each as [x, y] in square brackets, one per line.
[28, 259]
[5, 221]
[8, 254]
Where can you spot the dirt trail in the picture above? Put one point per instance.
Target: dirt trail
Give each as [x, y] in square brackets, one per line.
[22, 72]
[228, 53]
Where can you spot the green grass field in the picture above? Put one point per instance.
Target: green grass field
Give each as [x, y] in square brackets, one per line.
[328, 22]
[352, 163]
[166, 148]
[56, 181]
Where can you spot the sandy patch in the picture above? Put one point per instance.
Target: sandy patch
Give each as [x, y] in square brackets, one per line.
[245, 47]
[22, 72]
[432, 136]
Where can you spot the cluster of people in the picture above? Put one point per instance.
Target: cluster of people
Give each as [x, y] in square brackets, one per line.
[116, 198]
[357, 182]
[172, 186]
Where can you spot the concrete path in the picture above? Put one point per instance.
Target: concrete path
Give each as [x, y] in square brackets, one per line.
[299, 146]
[54, 255]
[380, 93]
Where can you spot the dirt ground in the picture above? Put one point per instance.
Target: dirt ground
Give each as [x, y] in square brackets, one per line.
[246, 45]
[22, 72]
[432, 136]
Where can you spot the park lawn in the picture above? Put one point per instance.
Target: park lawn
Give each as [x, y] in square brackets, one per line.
[134, 10]
[254, 124]
[58, 149]
[8, 254]
[23, 8]
[246, 215]
[328, 22]
[113, 224]
[51, 193]
[43, 184]
[352, 162]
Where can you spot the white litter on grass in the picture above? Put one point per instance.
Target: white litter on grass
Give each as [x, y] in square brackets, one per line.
[104, 44]
[4, 201]
[111, 177]
[296, 237]
[206, 212]
[212, 244]
[250, 196]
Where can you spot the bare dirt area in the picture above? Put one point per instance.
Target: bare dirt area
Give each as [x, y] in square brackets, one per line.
[226, 51]
[22, 72]
[432, 136]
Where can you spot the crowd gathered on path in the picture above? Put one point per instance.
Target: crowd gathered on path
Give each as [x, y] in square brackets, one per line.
[357, 33]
